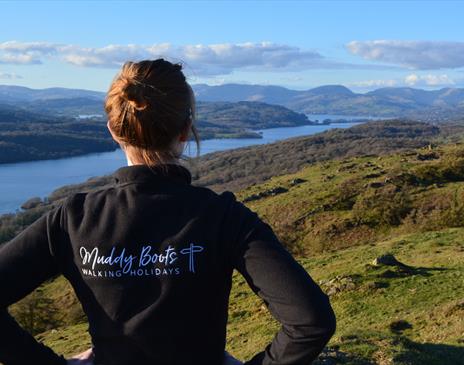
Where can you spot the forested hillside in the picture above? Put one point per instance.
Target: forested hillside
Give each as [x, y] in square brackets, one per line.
[32, 132]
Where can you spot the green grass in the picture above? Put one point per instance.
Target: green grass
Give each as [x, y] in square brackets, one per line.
[430, 299]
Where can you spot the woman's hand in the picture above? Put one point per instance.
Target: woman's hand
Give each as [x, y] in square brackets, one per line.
[230, 360]
[84, 358]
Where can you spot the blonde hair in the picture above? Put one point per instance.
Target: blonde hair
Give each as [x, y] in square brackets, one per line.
[149, 104]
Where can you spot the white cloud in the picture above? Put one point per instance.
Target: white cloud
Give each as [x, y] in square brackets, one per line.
[109, 56]
[30, 47]
[199, 59]
[428, 80]
[25, 53]
[411, 80]
[18, 59]
[9, 76]
[411, 54]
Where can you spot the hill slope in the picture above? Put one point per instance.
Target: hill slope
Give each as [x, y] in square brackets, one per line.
[338, 216]
[371, 305]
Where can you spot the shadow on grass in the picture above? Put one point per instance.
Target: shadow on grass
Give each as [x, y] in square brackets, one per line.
[367, 348]
[414, 353]
[399, 271]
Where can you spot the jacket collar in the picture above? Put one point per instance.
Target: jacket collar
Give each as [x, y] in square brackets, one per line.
[137, 173]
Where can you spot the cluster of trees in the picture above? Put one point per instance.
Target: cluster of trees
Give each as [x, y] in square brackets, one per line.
[248, 114]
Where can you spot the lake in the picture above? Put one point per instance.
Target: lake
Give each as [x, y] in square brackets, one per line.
[21, 181]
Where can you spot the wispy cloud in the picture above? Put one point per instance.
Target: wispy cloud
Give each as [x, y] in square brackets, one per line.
[428, 80]
[373, 83]
[9, 76]
[199, 59]
[425, 55]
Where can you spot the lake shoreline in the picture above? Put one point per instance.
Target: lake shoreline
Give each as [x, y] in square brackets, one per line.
[248, 134]
[24, 180]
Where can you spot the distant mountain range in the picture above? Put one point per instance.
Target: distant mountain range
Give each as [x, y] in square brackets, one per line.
[53, 101]
[337, 99]
[12, 94]
[328, 99]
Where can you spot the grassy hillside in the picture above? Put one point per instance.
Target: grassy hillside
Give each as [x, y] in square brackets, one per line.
[241, 167]
[337, 216]
[429, 300]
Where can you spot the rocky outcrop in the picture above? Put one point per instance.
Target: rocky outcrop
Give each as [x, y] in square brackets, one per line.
[338, 284]
[387, 260]
[265, 193]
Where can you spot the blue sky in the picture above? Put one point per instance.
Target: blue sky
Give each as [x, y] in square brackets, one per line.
[297, 44]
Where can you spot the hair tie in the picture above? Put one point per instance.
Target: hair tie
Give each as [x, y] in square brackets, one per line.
[150, 86]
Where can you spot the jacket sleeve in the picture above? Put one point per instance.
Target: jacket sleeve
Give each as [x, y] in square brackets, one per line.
[292, 297]
[26, 261]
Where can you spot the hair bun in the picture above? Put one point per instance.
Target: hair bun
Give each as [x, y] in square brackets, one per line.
[135, 93]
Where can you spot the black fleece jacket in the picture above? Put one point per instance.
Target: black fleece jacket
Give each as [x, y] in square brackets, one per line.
[151, 260]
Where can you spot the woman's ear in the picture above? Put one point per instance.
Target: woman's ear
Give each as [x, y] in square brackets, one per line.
[109, 128]
[111, 132]
[121, 145]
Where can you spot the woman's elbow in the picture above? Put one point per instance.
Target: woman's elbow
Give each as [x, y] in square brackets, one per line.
[316, 320]
[330, 323]
[324, 320]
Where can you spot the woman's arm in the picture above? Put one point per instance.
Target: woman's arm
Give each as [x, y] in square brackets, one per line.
[291, 295]
[25, 262]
